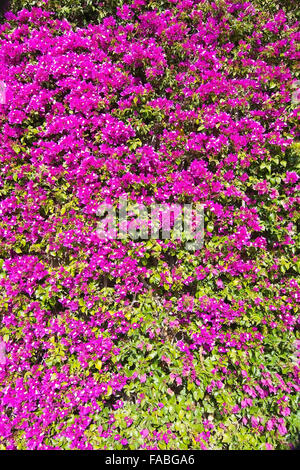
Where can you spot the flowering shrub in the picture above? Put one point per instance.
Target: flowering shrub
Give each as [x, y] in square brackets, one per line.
[126, 344]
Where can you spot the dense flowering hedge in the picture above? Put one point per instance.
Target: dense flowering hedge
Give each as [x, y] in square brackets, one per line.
[142, 344]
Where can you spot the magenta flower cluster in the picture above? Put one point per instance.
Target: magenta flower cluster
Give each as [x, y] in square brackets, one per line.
[142, 344]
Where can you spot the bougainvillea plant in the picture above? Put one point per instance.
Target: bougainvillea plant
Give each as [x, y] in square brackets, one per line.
[124, 344]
